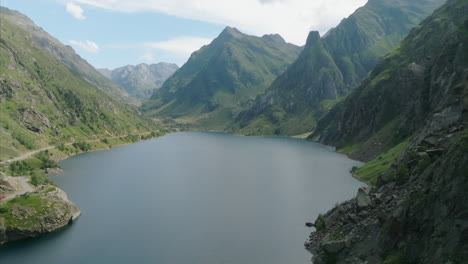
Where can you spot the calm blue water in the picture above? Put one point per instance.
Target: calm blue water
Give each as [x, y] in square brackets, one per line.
[193, 198]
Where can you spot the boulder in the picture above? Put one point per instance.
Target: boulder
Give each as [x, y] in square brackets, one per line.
[333, 247]
[362, 198]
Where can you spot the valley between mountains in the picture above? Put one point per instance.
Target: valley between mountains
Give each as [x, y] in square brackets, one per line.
[387, 86]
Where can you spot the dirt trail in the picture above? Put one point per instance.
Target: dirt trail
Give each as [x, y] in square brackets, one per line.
[29, 154]
[23, 187]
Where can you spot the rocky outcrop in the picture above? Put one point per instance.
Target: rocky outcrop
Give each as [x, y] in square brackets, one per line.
[417, 212]
[44, 210]
[416, 217]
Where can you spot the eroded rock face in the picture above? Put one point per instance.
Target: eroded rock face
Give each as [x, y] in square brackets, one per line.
[423, 219]
[362, 198]
[45, 210]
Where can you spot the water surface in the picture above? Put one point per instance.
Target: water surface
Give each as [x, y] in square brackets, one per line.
[193, 198]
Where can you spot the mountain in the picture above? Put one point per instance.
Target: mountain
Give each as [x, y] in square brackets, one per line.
[329, 67]
[43, 103]
[65, 54]
[142, 80]
[48, 112]
[409, 119]
[222, 78]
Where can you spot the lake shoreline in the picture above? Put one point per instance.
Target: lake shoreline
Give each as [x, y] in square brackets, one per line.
[9, 231]
[100, 147]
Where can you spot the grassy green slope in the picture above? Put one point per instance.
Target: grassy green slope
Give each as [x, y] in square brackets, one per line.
[423, 79]
[43, 103]
[222, 78]
[65, 54]
[328, 69]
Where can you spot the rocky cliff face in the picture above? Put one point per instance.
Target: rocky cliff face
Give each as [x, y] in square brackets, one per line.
[45, 210]
[329, 67]
[416, 213]
[142, 80]
[423, 77]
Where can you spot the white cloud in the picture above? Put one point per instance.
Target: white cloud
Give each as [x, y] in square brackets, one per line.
[75, 10]
[181, 46]
[86, 45]
[148, 57]
[293, 19]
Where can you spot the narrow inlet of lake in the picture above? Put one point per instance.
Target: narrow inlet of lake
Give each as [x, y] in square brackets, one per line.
[198, 198]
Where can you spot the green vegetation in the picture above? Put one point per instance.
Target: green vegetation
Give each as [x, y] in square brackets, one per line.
[19, 168]
[38, 178]
[320, 223]
[32, 203]
[349, 149]
[45, 103]
[371, 171]
[397, 258]
[329, 67]
[222, 79]
[83, 146]
[44, 157]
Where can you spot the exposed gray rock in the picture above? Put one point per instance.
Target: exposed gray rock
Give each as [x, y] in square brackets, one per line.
[363, 199]
[53, 211]
[333, 247]
[142, 80]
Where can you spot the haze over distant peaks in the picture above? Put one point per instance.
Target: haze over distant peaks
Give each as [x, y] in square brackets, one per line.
[142, 80]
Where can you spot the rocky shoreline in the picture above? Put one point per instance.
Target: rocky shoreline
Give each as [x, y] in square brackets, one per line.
[418, 215]
[26, 214]
[42, 211]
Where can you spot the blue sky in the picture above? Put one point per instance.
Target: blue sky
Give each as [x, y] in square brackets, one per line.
[113, 33]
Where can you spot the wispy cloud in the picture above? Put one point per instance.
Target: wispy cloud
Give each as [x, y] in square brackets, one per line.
[86, 45]
[75, 10]
[148, 57]
[181, 46]
[291, 18]
[177, 49]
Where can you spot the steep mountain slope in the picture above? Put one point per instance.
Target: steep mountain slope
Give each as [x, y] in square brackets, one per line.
[65, 54]
[43, 103]
[222, 78]
[413, 107]
[329, 67]
[142, 80]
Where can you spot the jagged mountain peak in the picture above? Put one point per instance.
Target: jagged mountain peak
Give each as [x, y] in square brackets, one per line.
[312, 38]
[231, 32]
[329, 67]
[223, 77]
[274, 37]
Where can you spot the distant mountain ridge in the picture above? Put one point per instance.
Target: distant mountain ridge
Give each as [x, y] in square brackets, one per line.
[65, 54]
[140, 81]
[329, 67]
[222, 78]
